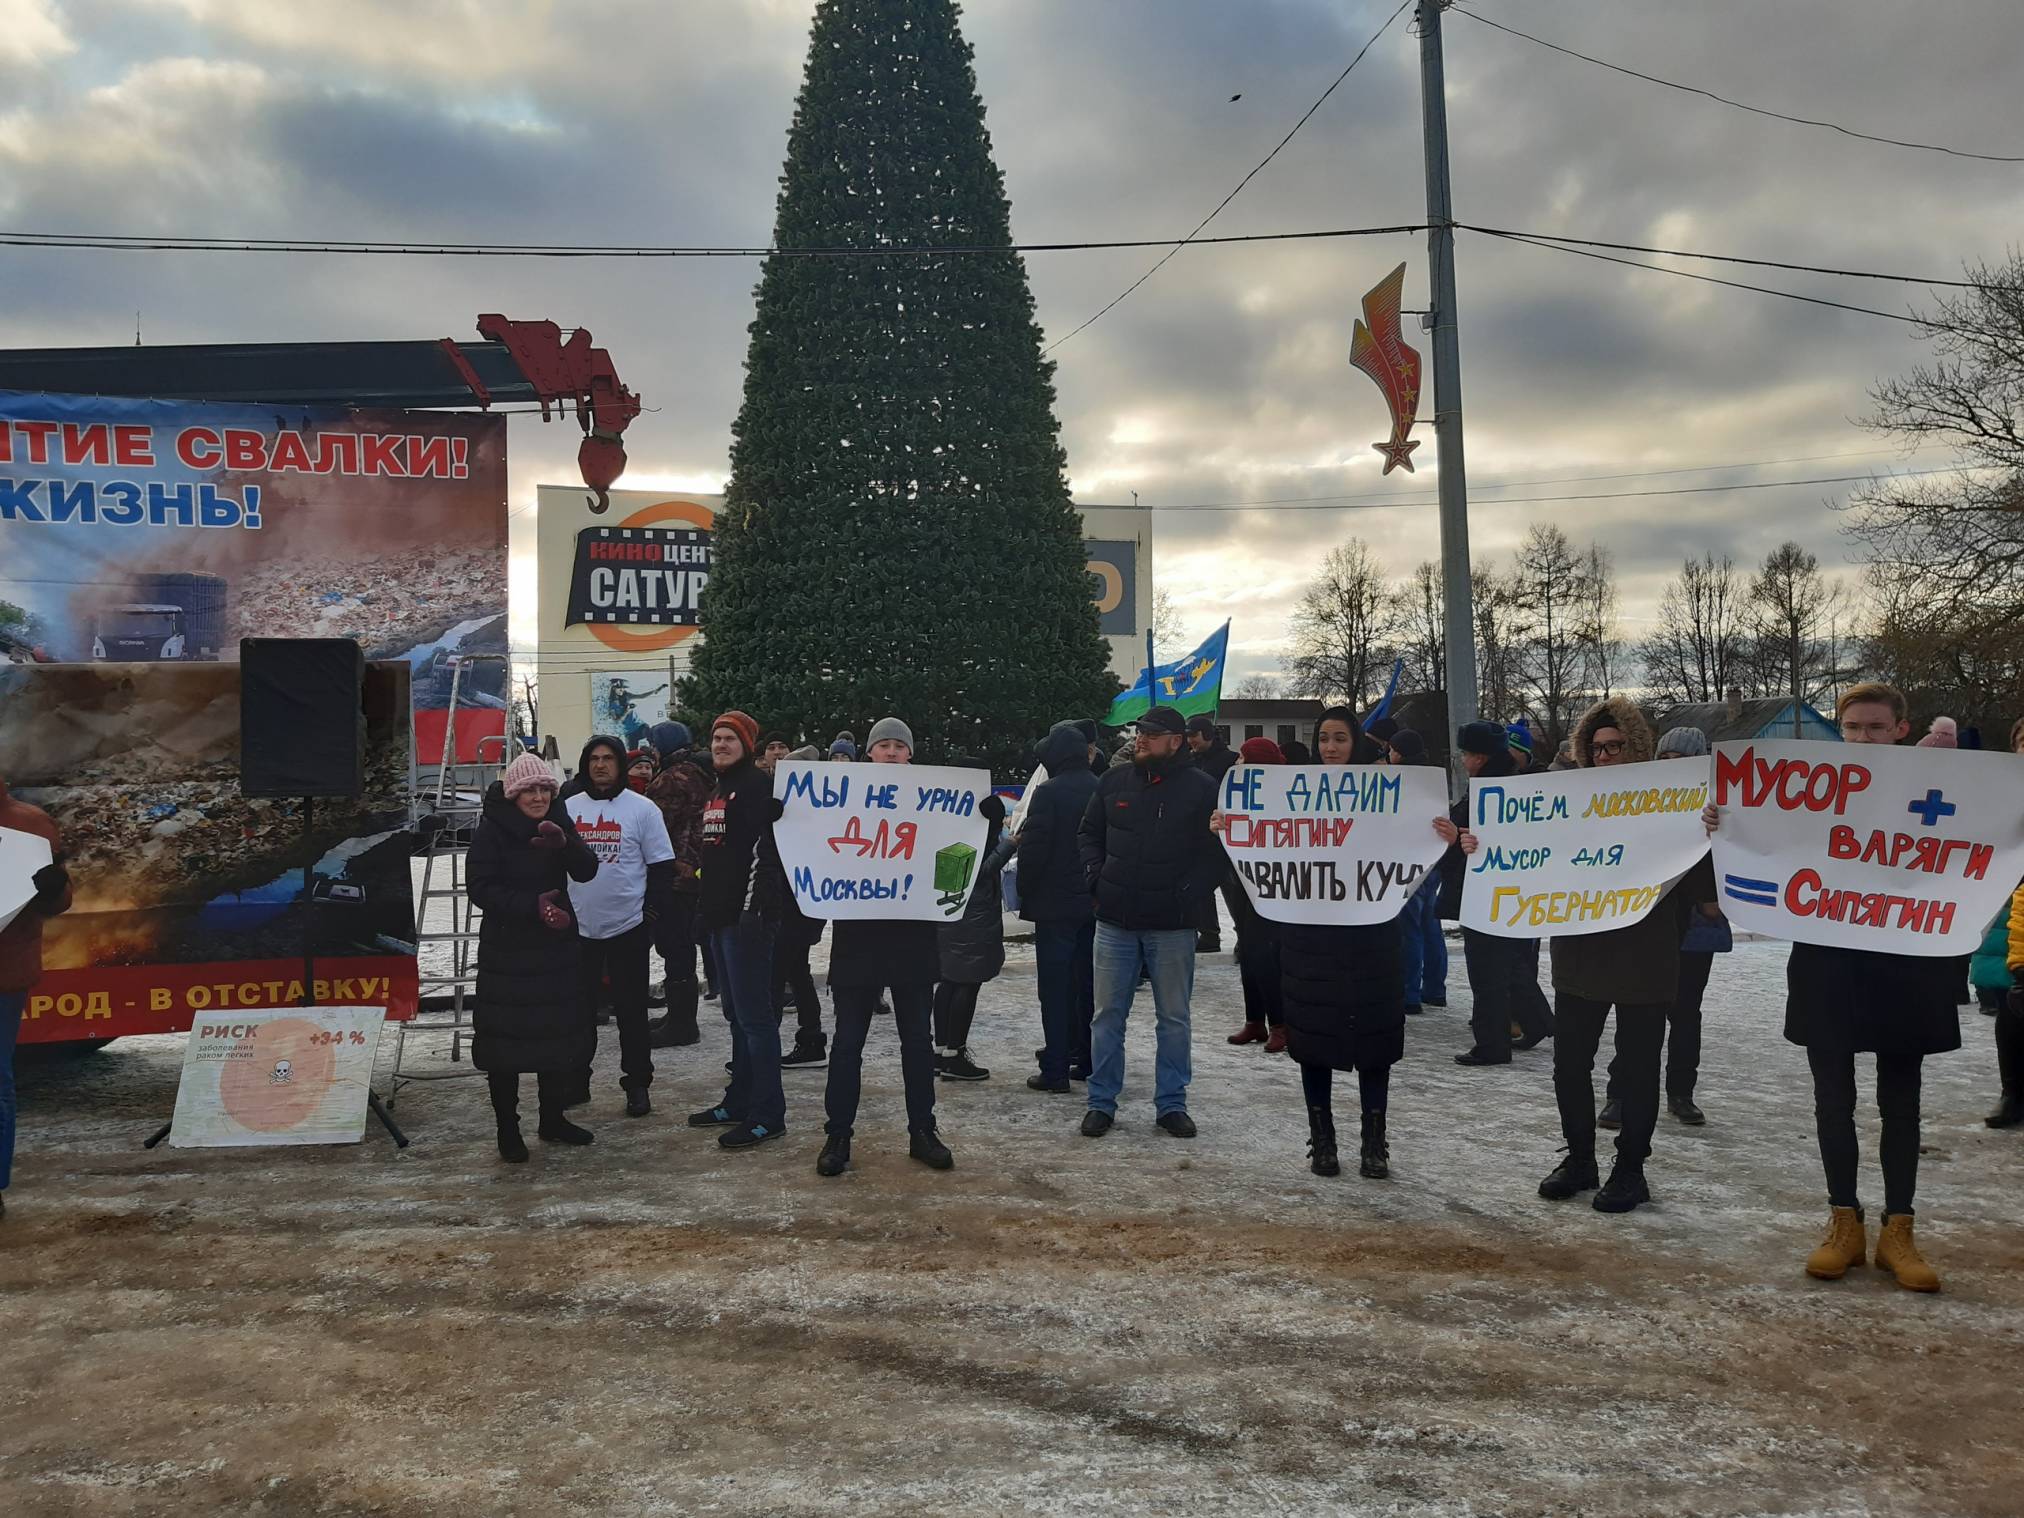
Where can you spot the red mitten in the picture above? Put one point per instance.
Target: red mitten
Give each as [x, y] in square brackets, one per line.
[548, 836]
[553, 913]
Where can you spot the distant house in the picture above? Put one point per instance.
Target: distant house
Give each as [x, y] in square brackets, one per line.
[1736, 719]
[1280, 718]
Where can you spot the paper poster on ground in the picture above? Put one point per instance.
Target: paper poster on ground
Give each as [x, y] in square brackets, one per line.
[1581, 851]
[880, 840]
[295, 1076]
[1862, 846]
[1339, 844]
[21, 855]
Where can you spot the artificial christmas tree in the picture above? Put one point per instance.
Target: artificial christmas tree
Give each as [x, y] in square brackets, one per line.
[897, 535]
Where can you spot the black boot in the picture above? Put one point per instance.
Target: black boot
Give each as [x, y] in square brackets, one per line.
[1321, 1142]
[2010, 1066]
[506, 1113]
[1570, 1177]
[1376, 1164]
[678, 1029]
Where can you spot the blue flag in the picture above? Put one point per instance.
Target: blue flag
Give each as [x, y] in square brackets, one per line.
[1191, 686]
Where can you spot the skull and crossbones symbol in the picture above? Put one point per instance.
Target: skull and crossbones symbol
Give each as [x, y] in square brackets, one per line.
[284, 1072]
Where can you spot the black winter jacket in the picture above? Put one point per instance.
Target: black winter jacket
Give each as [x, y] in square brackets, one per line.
[1052, 885]
[529, 1014]
[1344, 993]
[972, 948]
[1147, 853]
[740, 869]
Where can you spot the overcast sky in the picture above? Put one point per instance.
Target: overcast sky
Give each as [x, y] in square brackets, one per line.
[1226, 377]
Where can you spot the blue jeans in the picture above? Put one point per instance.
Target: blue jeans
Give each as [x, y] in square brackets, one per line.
[1168, 958]
[1064, 965]
[1425, 950]
[744, 953]
[11, 1005]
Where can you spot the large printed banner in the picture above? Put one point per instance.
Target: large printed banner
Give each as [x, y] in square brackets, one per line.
[1863, 846]
[136, 531]
[1336, 844]
[1581, 851]
[272, 1077]
[880, 840]
[191, 898]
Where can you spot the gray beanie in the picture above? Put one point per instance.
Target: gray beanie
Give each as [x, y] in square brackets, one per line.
[889, 727]
[1688, 742]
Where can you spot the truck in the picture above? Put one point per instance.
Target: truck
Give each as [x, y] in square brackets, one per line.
[165, 616]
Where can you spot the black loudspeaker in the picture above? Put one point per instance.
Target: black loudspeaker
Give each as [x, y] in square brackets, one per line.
[301, 717]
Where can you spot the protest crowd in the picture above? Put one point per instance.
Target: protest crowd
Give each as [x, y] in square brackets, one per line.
[676, 848]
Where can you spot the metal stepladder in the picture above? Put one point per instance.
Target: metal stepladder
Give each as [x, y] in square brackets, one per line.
[446, 807]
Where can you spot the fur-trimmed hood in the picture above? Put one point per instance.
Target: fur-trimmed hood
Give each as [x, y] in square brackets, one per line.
[1621, 713]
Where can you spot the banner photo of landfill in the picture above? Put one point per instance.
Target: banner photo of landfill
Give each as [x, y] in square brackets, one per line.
[191, 898]
[136, 531]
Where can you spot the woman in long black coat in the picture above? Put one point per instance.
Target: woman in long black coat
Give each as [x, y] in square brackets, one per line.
[1345, 1002]
[529, 1015]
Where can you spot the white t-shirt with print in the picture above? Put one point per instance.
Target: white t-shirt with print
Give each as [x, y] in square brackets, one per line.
[627, 833]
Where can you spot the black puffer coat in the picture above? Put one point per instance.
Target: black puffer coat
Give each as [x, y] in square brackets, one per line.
[1147, 853]
[1863, 1002]
[529, 1014]
[973, 946]
[1052, 887]
[1344, 990]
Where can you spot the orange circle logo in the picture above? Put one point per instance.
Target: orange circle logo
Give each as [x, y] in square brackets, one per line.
[661, 637]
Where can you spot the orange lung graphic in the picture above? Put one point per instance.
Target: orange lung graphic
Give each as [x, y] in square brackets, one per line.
[284, 1080]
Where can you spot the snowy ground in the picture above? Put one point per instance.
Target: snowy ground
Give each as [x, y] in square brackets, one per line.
[1132, 1325]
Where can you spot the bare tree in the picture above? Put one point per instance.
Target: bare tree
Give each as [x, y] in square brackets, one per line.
[1599, 632]
[1790, 604]
[1700, 646]
[1422, 628]
[1499, 632]
[1340, 644]
[1548, 592]
[1257, 688]
[1169, 627]
[528, 707]
[1951, 548]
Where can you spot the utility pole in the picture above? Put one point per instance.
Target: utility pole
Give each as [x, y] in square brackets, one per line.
[1457, 599]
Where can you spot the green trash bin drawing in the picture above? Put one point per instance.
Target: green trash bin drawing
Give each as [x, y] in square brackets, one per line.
[954, 866]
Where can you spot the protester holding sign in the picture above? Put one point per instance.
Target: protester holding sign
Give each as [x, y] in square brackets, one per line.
[1054, 896]
[871, 954]
[616, 911]
[1258, 944]
[1636, 970]
[1503, 972]
[1149, 859]
[1844, 1001]
[1344, 990]
[47, 890]
[742, 904]
[529, 1019]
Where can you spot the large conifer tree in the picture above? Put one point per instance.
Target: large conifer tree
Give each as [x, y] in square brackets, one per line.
[898, 535]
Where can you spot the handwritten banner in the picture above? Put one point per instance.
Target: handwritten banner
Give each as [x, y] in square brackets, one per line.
[1337, 844]
[299, 1076]
[1862, 846]
[1581, 851]
[880, 840]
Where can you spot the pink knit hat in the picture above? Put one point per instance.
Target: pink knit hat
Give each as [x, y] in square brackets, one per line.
[524, 773]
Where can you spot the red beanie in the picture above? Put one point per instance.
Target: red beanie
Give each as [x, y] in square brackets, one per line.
[1260, 751]
[746, 729]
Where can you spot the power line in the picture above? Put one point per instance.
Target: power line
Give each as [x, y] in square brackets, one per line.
[1728, 258]
[122, 243]
[1346, 503]
[1191, 237]
[1755, 110]
[1710, 279]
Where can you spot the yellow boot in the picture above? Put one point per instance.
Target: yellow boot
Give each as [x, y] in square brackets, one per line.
[1899, 1254]
[1843, 1246]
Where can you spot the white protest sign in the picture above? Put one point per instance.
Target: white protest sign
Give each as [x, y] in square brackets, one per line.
[1865, 846]
[1581, 851]
[294, 1076]
[21, 855]
[1335, 843]
[897, 841]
